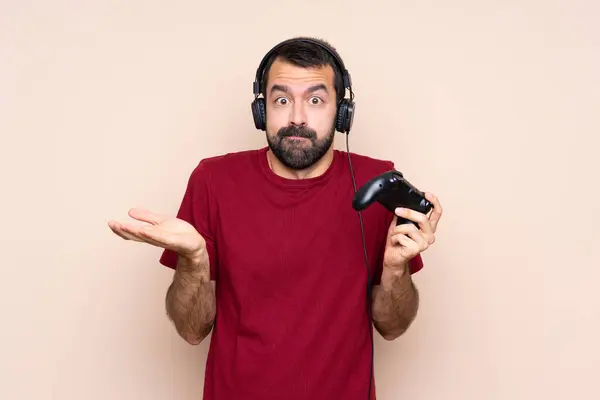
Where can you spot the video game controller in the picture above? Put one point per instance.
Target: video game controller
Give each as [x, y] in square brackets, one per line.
[391, 190]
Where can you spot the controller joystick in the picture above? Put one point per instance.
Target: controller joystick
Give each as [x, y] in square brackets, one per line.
[391, 190]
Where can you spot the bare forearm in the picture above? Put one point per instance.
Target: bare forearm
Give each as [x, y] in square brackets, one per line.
[190, 299]
[395, 303]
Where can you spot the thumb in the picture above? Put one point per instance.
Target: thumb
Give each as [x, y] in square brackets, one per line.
[142, 214]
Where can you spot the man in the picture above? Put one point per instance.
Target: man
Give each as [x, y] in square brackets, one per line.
[269, 255]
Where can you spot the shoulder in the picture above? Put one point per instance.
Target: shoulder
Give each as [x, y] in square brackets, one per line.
[365, 167]
[222, 165]
[369, 162]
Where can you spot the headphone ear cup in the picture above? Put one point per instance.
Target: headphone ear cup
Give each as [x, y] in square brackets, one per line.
[345, 116]
[259, 114]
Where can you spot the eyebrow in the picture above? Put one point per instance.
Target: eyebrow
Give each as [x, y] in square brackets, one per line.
[312, 89]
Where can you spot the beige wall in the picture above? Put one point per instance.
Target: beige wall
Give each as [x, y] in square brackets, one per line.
[105, 105]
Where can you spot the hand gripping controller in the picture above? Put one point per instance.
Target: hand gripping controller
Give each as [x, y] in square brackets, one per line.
[391, 190]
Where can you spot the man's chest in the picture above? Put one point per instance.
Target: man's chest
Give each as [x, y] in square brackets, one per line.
[294, 239]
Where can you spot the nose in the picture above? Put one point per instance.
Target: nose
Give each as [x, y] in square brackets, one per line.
[298, 116]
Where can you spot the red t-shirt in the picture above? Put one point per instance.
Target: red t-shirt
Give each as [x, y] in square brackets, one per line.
[288, 260]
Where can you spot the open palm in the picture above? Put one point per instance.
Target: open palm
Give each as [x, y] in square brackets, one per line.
[161, 231]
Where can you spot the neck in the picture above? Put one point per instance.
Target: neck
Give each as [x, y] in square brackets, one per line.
[315, 170]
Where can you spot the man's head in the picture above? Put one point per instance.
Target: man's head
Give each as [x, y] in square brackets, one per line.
[302, 87]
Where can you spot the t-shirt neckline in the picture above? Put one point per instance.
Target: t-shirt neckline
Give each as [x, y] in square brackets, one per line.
[287, 182]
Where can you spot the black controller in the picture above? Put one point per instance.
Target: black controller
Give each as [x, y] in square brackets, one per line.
[391, 190]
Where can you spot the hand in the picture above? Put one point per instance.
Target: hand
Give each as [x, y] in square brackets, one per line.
[161, 231]
[407, 240]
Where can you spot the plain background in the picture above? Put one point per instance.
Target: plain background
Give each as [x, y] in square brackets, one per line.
[492, 105]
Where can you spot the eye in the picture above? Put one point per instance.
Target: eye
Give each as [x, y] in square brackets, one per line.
[315, 100]
[281, 101]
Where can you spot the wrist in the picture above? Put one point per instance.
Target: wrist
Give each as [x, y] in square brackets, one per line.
[391, 275]
[396, 269]
[196, 261]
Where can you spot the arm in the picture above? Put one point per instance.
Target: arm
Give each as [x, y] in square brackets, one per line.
[190, 299]
[395, 302]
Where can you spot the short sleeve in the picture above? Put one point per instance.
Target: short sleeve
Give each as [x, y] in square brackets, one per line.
[198, 208]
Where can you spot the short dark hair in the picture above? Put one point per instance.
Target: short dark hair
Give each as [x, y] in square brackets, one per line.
[306, 55]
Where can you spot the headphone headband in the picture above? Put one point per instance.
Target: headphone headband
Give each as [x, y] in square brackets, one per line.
[338, 60]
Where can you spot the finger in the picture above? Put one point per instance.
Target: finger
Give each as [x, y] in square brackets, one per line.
[404, 228]
[162, 238]
[141, 214]
[437, 211]
[136, 232]
[118, 230]
[392, 226]
[419, 239]
[402, 240]
[114, 226]
[399, 229]
[407, 243]
[120, 234]
[414, 233]
[421, 219]
[150, 239]
[156, 235]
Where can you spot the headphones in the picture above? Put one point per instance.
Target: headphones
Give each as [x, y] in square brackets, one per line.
[345, 108]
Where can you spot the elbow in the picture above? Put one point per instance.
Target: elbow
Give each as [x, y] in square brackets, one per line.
[390, 336]
[393, 331]
[195, 338]
[190, 335]
[192, 339]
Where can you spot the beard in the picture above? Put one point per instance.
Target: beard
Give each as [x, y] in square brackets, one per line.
[299, 154]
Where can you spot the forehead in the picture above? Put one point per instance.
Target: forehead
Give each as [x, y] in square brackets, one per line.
[285, 73]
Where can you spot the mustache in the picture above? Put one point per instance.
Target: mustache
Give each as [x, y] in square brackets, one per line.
[299, 131]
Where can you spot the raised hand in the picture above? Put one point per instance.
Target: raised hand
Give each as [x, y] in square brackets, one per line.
[161, 231]
[407, 240]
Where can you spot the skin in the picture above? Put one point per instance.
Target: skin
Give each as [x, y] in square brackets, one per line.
[301, 110]
[303, 99]
[396, 299]
[190, 300]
